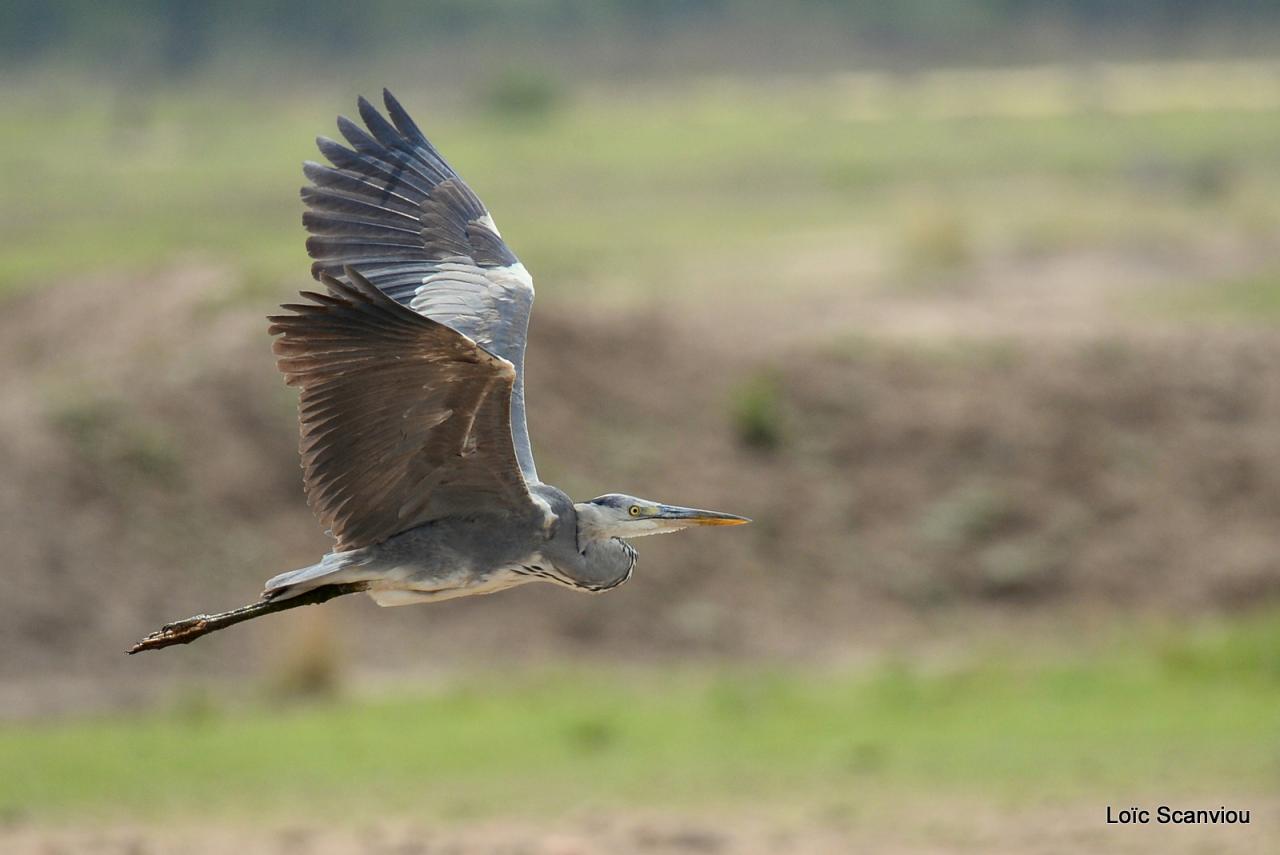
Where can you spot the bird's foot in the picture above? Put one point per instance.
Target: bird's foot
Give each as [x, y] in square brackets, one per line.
[183, 625]
[177, 632]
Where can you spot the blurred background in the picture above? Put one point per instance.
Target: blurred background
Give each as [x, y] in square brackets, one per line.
[972, 306]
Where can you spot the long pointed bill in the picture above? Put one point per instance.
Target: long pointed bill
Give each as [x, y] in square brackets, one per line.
[695, 516]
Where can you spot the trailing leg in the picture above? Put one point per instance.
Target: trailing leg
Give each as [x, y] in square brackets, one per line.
[188, 630]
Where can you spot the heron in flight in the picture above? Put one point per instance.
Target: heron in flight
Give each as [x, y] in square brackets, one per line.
[410, 367]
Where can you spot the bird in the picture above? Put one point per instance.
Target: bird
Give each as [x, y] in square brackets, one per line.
[410, 369]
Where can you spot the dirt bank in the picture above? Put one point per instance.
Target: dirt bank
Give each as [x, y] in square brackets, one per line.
[150, 472]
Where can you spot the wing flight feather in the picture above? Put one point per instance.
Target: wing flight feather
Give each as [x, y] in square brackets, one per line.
[403, 419]
[390, 207]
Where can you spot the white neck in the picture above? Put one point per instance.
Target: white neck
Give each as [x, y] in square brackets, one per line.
[594, 524]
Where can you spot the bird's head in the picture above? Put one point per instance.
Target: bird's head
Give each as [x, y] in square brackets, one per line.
[620, 515]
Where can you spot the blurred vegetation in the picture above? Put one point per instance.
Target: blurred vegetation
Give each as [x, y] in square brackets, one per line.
[648, 153]
[934, 241]
[1106, 717]
[108, 437]
[311, 665]
[972, 513]
[185, 37]
[757, 411]
[522, 95]
[1254, 297]
[657, 188]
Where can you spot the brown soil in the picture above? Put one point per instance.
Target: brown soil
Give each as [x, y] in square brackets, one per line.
[918, 829]
[898, 485]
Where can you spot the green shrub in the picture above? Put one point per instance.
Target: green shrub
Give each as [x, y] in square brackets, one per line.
[523, 94]
[757, 412]
[935, 239]
[1018, 567]
[967, 515]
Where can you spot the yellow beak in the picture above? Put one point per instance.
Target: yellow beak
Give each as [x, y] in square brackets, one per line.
[696, 516]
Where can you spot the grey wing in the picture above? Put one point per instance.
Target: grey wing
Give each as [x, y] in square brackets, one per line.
[391, 208]
[403, 419]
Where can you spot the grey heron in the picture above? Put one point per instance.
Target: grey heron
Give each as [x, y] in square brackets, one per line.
[410, 370]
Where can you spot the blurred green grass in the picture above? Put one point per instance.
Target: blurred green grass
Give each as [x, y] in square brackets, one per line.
[627, 192]
[627, 188]
[1254, 297]
[1171, 709]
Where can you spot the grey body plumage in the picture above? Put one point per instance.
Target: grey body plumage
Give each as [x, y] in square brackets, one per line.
[485, 553]
[410, 369]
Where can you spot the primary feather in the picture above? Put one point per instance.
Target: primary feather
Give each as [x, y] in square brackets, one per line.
[392, 209]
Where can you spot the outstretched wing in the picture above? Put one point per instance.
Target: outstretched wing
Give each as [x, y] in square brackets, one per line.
[404, 420]
[392, 209]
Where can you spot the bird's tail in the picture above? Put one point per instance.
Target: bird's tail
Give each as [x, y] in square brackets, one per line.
[334, 568]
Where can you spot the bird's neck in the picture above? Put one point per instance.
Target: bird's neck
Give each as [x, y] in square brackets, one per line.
[603, 561]
[593, 525]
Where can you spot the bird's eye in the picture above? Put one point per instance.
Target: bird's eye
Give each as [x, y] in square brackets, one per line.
[635, 510]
